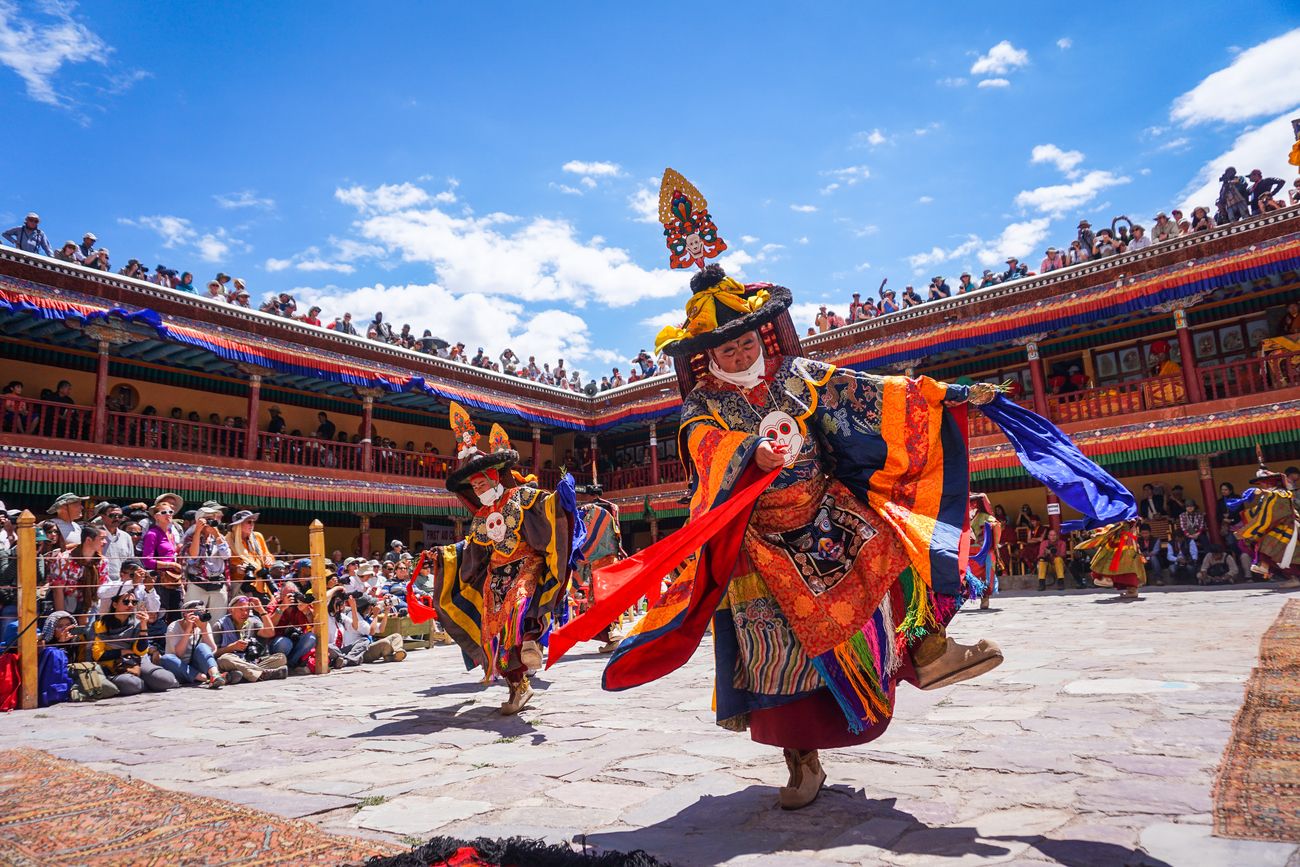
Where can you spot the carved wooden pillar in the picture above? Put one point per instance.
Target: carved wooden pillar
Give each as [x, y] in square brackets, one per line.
[594, 478]
[1209, 496]
[364, 541]
[100, 423]
[254, 411]
[367, 425]
[654, 460]
[1039, 381]
[537, 449]
[1191, 376]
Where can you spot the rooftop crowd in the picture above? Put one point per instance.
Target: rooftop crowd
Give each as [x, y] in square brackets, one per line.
[146, 597]
[30, 238]
[1239, 198]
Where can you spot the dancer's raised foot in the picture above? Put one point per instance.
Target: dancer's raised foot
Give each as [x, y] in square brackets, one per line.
[956, 663]
[520, 694]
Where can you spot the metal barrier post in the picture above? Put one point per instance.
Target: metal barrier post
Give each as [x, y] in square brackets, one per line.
[27, 609]
[316, 548]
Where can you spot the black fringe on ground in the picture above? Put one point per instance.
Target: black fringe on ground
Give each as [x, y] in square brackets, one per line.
[515, 852]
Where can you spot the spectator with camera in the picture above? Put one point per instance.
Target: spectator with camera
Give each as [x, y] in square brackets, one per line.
[160, 548]
[191, 648]
[251, 557]
[291, 615]
[120, 646]
[360, 641]
[243, 639]
[206, 553]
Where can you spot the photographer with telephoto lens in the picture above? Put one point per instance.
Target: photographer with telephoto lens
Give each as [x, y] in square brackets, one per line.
[192, 650]
[242, 637]
[292, 616]
[206, 551]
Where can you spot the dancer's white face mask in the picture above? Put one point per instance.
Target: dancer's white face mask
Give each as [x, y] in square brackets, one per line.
[747, 378]
[491, 495]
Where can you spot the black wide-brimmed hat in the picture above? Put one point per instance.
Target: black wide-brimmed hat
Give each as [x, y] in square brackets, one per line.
[480, 462]
[721, 309]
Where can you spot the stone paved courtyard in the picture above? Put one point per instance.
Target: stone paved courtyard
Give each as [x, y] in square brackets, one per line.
[1095, 743]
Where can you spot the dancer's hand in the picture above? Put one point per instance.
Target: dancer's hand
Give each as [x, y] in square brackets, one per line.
[770, 455]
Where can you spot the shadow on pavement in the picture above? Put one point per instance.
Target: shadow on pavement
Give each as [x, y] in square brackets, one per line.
[841, 817]
[469, 715]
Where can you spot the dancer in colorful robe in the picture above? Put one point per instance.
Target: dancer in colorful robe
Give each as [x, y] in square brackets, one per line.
[1270, 522]
[495, 593]
[1117, 561]
[985, 536]
[603, 546]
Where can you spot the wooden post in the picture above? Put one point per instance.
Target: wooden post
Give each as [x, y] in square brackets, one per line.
[537, 449]
[1186, 353]
[27, 609]
[367, 428]
[316, 548]
[364, 538]
[100, 428]
[1039, 382]
[654, 455]
[1209, 497]
[594, 479]
[251, 434]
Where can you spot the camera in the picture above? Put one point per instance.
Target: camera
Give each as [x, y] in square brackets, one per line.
[293, 634]
[205, 616]
[255, 650]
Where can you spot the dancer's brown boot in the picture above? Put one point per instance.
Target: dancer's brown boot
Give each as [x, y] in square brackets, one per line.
[520, 693]
[941, 662]
[530, 654]
[806, 779]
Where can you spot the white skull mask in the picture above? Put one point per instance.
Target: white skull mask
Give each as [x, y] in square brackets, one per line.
[780, 427]
[495, 526]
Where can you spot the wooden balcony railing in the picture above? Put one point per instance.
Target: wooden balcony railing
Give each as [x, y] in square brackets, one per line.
[1118, 398]
[176, 435]
[307, 452]
[418, 465]
[43, 418]
[1250, 375]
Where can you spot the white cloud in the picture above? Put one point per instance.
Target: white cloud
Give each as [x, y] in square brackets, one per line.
[174, 231]
[748, 239]
[644, 204]
[864, 266]
[952, 81]
[1264, 147]
[662, 320]
[803, 209]
[1017, 239]
[384, 198]
[592, 169]
[1065, 161]
[1175, 144]
[1064, 43]
[566, 189]
[802, 240]
[535, 259]
[928, 128]
[1000, 59]
[478, 319]
[994, 82]
[311, 260]
[1056, 199]
[874, 138]
[848, 176]
[36, 51]
[243, 199]
[925, 200]
[1262, 80]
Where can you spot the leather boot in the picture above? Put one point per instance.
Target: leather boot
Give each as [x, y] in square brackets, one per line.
[806, 779]
[958, 662]
[610, 646]
[520, 693]
[530, 654]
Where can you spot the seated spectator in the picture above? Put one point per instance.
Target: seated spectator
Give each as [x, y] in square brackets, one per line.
[616, 379]
[362, 637]
[1053, 552]
[68, 253]
[910, 298]
[965, 284]
[1165, 229]
[18, 417]
[312, 317]
[888, 302]
[1051, 261]
[87, 246]
[191, 648]
[98, 260]
[1218, 567]
[343, 325]
[939, 289]
[1152, 548]
[214, 291]
[1201, 220]
[29, 237]
[243, 638]
[988, 278]
[120, 646]
[1140, 241]
[291, 615]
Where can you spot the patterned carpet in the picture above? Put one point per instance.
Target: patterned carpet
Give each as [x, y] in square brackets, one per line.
[54, 811]
[1257, 793]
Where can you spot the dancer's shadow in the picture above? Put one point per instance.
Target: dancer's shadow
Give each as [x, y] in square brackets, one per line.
[841, 817]
[1118, 600]
[404, 721]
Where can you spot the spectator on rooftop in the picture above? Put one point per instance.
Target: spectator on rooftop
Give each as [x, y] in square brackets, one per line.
[186, 283]
[604, 383]
[1087, 240]
[888, 302]
[646, 362]
[1293, 194]
[965, 284]
[616, 379]
[836, 320]
[1105, 245]
[240, 298]
[1075, 254]
[223, 278]
[1052, 260]
[1121, 229]
[910, 298]
[214, 291]
[1234, 196]
[1262, 192]
[98, 260]
[344, 325]
[856, 313]
[457, 353]
[68, 253]
[29, 236]
[939, 289]
[823, 321]
[87, 244]
[1165, 229]
[1140, 241]
[1176, 216]
[509, 361]
[1014, 270]
[1201, 221]
[131, 268]
[312, 317]
[383, 331]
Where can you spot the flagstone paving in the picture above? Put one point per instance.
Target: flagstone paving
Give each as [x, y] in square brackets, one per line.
[1095, 743]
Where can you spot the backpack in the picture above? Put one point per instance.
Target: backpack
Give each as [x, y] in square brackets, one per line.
[54, 683]
[10, 681]
[89, 682]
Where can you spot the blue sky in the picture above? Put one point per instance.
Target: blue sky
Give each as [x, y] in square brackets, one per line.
[486, 172]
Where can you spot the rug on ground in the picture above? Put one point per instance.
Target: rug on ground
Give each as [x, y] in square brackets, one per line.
[1257, 793]
[512, 852]
[54, 811]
